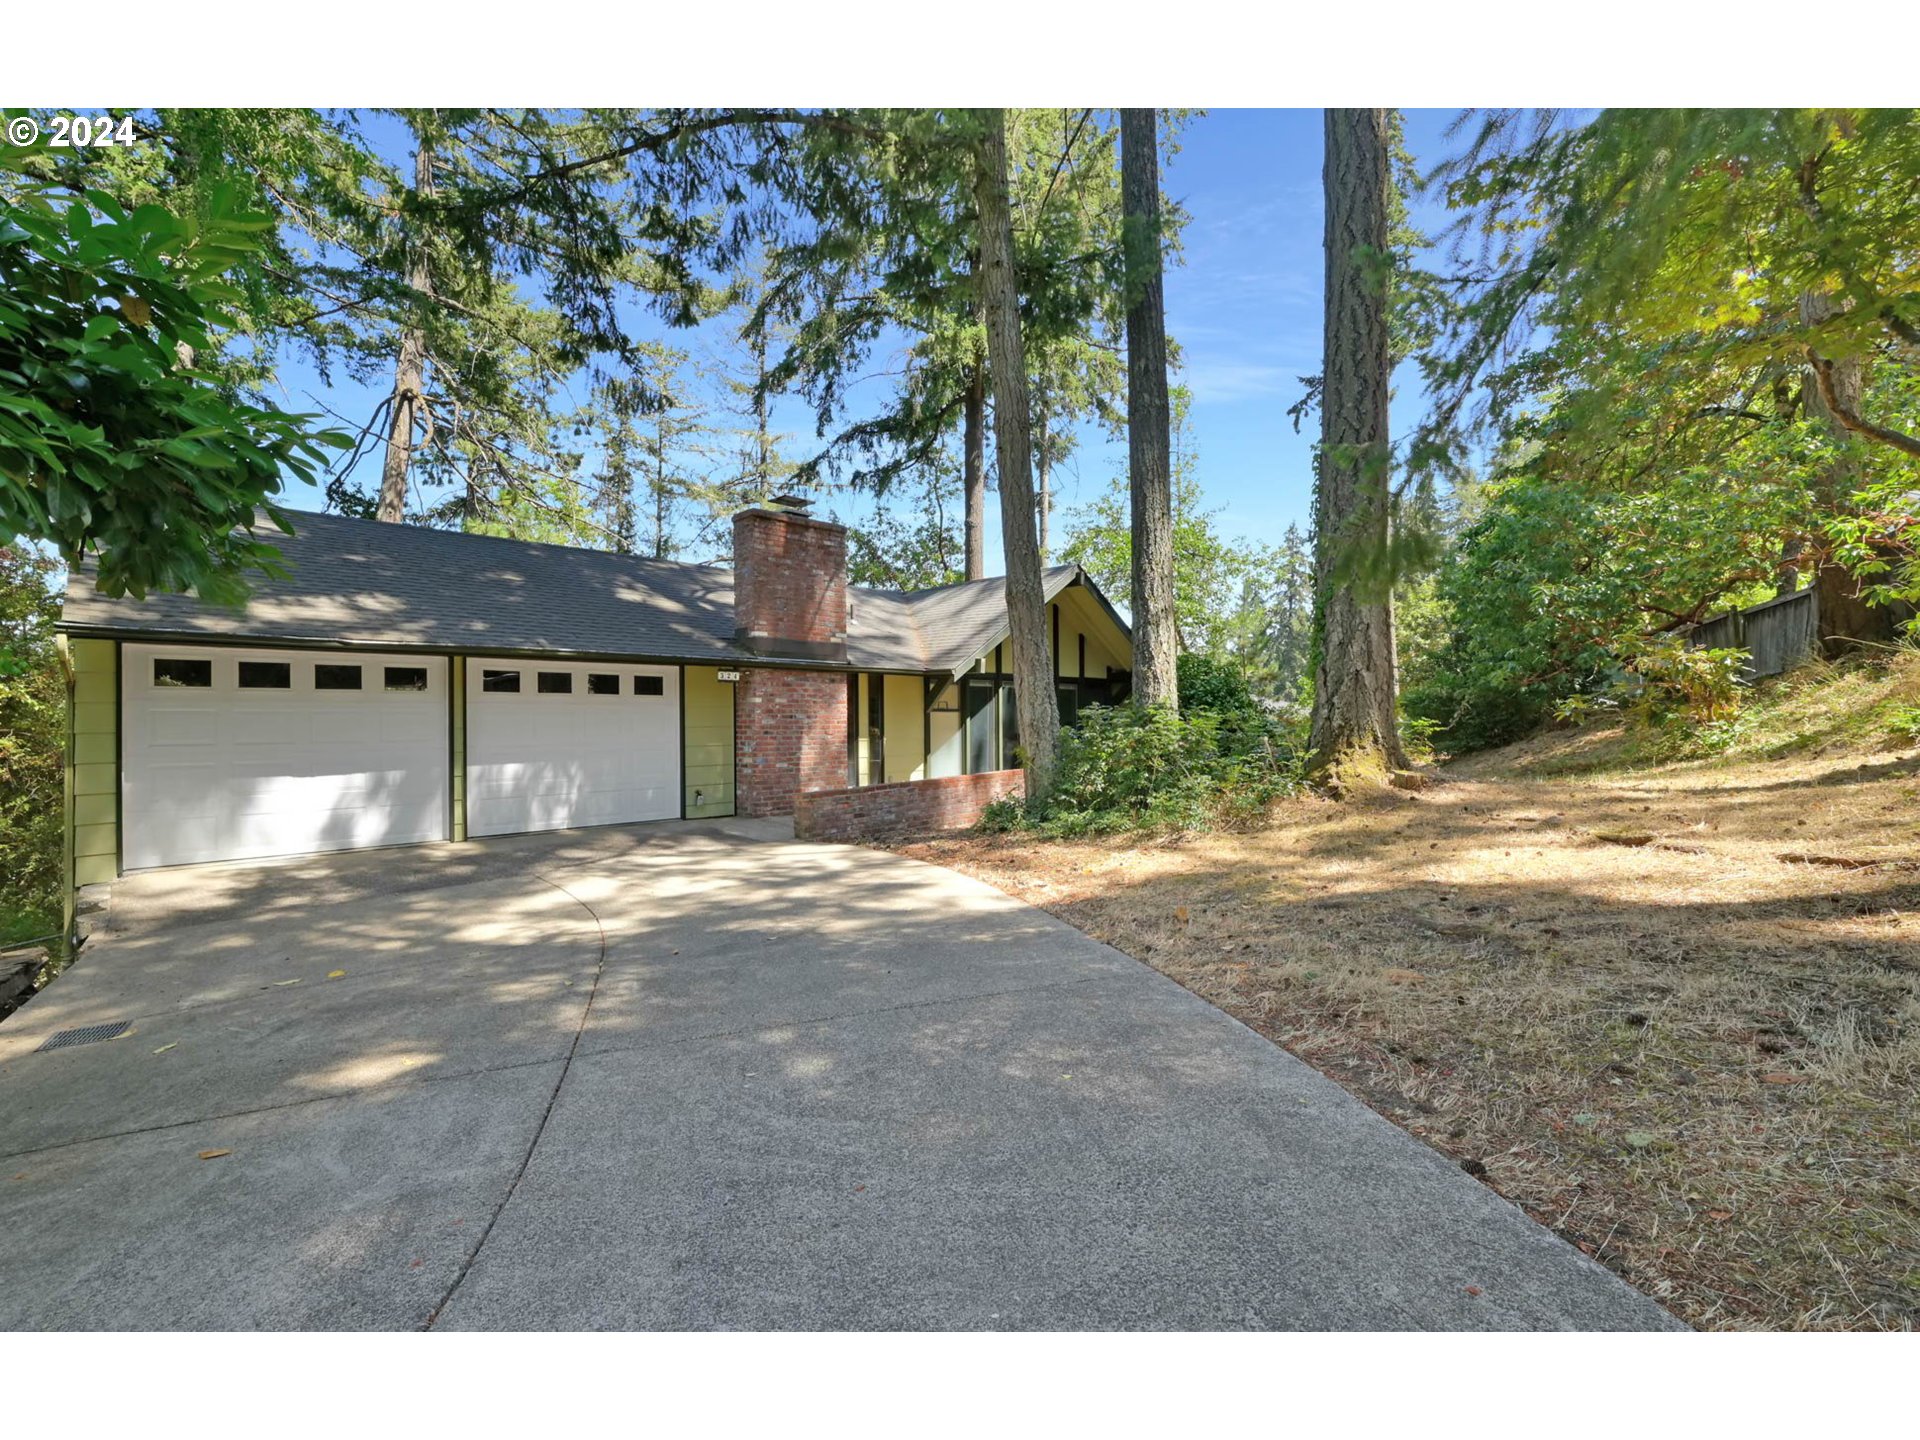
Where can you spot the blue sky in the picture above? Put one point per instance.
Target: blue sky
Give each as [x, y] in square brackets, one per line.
[1244, 307]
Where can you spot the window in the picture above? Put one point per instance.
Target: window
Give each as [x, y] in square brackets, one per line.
[406, 677]
[1069, 705]
[556, 682]
[266, 675]
[603, 684]
[500, 682]
[194, 674]
[982, 744]
[336, 677]
[649, 685]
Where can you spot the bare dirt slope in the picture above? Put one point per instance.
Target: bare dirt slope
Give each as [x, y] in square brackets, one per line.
[1672, 1011]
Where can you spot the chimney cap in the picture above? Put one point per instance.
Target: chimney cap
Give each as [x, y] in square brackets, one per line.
[791, 502]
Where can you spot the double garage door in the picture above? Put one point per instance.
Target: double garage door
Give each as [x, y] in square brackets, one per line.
[233, 754]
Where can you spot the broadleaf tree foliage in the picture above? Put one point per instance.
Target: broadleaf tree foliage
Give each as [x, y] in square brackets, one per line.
[116, 443]
[1652, 309]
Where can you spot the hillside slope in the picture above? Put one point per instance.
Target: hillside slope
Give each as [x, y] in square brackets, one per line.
[1672, 1009]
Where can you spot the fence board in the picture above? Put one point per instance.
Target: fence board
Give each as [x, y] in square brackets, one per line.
[1777, 634]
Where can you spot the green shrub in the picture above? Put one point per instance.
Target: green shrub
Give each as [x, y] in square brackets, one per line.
[32, 743]
[1208, 682]
[1671, 678]
[1129, 768]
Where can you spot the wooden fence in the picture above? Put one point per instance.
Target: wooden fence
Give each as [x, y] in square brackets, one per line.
[1777, 634]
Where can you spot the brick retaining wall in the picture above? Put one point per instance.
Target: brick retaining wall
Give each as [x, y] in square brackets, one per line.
[905, 806]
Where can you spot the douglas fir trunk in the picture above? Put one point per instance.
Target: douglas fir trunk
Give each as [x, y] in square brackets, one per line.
[1033, 680]
[974, 462]
[1156, 638]
[1355, 733]
[410, 369]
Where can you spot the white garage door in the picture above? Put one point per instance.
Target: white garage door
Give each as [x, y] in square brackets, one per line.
[552, 746]
[231, 754]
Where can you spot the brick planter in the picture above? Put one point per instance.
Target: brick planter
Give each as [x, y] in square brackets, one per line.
[904, 807]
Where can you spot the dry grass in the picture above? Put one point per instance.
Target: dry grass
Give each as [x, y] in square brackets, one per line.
[1607, 994]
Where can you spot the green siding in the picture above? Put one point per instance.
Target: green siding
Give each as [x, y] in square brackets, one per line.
[457, 699]
[93, 761]
[93, 780]
[707, 744]
[906, 727]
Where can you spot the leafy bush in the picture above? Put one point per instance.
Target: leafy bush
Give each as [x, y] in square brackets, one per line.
[1208, 682]
[1133, 768]
[1545, 593]
[32, 747]
[1676, 679]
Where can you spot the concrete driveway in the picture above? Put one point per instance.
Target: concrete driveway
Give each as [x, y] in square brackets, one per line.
[700, 1076]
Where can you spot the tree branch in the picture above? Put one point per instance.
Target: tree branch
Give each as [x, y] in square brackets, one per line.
[1823, 377]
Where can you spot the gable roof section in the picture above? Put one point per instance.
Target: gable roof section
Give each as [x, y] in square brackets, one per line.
[363, 583]
[960, 623]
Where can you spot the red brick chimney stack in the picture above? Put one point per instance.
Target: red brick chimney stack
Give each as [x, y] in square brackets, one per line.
[789, 583]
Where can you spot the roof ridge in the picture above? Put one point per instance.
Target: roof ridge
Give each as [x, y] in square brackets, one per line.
[407, 527]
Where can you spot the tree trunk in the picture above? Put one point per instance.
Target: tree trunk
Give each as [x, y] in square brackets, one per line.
[974, 461]
[762, 438]
[1355, 737]
[1844, 617]
[409, 409]
[1043, 462]
[1156, 637]
[1033, 677]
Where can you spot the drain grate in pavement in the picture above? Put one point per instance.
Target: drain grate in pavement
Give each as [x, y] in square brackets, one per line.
[85, 1035]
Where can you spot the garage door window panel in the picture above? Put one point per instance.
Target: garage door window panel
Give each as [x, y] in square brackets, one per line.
[500, 682]
[266, 675]
[336, 677]
[406, 677]
[556, 682]
[175, 674]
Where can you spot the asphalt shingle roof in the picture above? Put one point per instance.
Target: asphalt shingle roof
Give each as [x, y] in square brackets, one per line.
[359, 582]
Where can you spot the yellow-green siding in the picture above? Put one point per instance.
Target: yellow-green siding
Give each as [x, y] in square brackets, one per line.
[708, 742]
[905, 725]
[93, 761]
[1083, 617]
[457, 699]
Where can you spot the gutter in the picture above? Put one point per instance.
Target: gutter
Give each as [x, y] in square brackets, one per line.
[734, 659]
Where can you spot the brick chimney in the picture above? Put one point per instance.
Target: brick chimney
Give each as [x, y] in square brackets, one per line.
[789, 583]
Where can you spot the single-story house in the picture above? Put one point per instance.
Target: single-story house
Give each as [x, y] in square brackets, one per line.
[404, 685]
